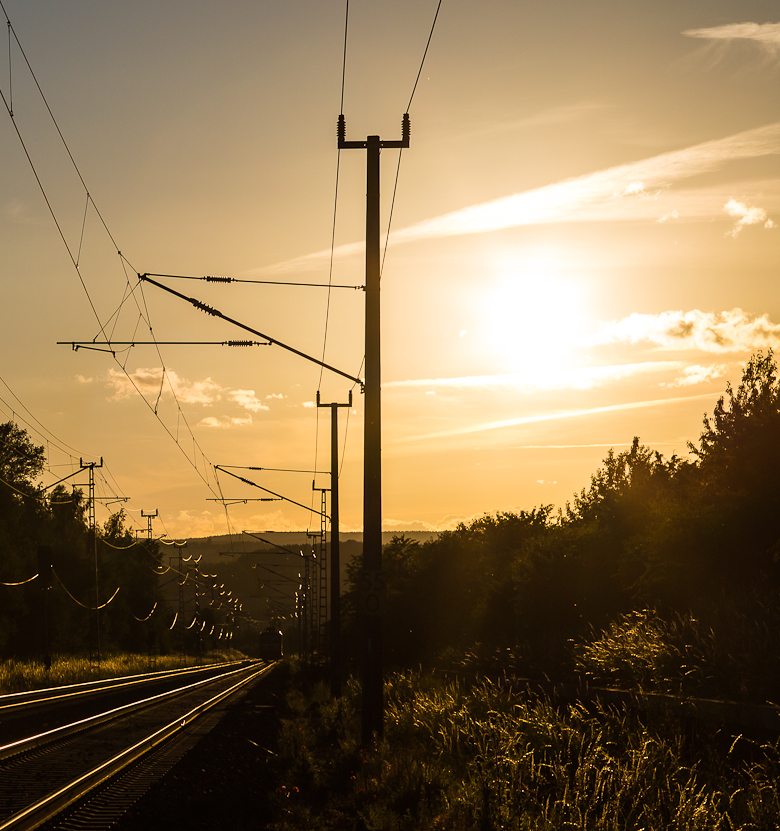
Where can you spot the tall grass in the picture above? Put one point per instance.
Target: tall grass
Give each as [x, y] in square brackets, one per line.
[20, 676]
[730, 655]
[479, 757]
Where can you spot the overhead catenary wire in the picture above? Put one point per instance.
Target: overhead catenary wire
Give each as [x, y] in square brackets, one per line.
[332, 244]
[75, 259]
[425, 55]
[83, 605]
[144, 619]
[21, 582]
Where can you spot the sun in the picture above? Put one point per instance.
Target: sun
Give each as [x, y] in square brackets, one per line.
[533, 315]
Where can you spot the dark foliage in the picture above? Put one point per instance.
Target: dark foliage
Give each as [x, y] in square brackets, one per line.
[679, 536]
[46, 534]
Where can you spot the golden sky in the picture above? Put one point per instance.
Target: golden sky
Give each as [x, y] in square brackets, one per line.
[584, 243]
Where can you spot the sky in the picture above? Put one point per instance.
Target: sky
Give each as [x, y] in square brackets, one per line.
[584, 244]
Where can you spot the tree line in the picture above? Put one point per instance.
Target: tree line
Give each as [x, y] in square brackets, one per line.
[697, 535]
[55, 573]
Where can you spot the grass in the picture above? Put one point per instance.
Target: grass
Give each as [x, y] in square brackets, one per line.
[20, 676]
[734, 656]
[457, 757]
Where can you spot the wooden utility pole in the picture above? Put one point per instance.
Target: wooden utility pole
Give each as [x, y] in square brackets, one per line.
[150, 639]
[94, 644]
[371, 599]
[335, 555]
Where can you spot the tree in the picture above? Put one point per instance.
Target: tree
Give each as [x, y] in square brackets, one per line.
[20, 460]
[738, 474]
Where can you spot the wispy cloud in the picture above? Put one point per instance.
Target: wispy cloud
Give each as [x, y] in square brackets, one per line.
[697, 374]
[545, 379]
[766, 34]
[746, 215]
[714, 332]
[606, 195]
[225, 422]
[515, 422]
[20, 213]
[552, 116]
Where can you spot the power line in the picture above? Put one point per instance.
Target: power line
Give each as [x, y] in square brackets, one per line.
[425, 54]
[130, 291]
[332, 243]
[395, 185]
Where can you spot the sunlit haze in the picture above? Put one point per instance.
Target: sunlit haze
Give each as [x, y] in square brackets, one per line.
[583, 247]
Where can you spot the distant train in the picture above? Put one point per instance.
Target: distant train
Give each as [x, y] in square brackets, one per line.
[271, 644]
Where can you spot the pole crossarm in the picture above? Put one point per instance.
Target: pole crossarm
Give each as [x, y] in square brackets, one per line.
[274, 469]
[341, 134]
[81, 469]
[218, 278]
[75, 473]
[273, 493]
[216, 313]
[92, 344]
[229, 501]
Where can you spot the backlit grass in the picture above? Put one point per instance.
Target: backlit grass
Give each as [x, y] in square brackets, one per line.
[20, 676]
[480, 756]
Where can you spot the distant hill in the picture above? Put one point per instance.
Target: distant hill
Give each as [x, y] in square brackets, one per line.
[227, 546]
[254, 569]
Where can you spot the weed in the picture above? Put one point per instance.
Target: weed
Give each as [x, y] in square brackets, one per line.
[457, 756]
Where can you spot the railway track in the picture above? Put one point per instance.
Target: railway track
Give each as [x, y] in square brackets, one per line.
[22, 714]
[92, 768]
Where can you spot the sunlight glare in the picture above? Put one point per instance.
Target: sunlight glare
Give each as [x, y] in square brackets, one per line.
[533, 316]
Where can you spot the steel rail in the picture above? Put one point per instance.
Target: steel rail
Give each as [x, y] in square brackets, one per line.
[31, 742]
[14, 702]
[49, 806]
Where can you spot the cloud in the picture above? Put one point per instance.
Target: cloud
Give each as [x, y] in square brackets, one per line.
[407, 525]
[635, 189]
[21, 213]
[247, 400]
[515, 422]
[150, 381]
[715, 332]
[194, 525]
[82, 380]
[224, 422]
[552, 116]
[746, 215]
[592, 197]
[275, 395]
[766, 34]
[544, 379]
[670, 215]
[274, 521]
[696, 374]
[309, 405]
